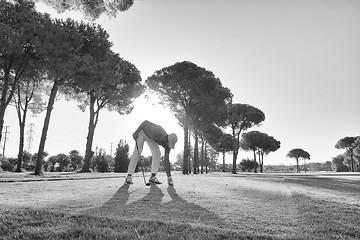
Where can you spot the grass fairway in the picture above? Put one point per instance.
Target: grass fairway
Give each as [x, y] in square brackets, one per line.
[213, 206]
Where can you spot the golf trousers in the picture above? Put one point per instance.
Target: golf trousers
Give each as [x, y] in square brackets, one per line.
[155, 152]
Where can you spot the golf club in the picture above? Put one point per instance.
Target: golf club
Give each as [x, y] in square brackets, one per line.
[142, 168]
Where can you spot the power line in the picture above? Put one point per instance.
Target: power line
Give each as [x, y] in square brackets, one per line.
[30, 137]
[5, 138]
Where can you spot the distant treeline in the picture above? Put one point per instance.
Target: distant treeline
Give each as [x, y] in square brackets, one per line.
[312, 167]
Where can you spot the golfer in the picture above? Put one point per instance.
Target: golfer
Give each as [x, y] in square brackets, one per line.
[155, 136]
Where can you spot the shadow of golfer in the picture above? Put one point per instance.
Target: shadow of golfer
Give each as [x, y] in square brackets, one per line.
[180, 210]
[120, 205]
[120, 197]
[150, 207]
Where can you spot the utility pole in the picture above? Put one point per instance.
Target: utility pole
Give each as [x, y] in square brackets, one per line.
[30, 137]
[111, 144]
[5, 138]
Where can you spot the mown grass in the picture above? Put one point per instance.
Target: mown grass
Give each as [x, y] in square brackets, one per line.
[314, 218]
[35, 224]
[320, 219]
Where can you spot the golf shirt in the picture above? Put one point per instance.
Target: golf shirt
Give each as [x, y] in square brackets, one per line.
[154, 132]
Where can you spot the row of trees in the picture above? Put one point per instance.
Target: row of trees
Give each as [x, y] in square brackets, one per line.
[204, 108]
[73, 161]
[347, 161]
[312, 166]
[71, 58]
[260, 143]
[350, 159]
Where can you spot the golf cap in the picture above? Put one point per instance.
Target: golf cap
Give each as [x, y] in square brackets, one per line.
[172, 138]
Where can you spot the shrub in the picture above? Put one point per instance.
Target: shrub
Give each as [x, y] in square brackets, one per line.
[102, 162]
[76, 160]
[122, 159]
[8, 165]
[248, 165]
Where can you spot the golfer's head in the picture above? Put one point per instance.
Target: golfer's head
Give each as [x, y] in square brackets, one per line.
[172, 139]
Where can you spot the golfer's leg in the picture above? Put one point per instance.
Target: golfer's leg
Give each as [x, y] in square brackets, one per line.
[167, 162]
[156, 154]
[135, 156]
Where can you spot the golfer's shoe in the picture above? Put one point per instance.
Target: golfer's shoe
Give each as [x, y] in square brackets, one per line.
[170, 181]
[154, 180]
[128, 180]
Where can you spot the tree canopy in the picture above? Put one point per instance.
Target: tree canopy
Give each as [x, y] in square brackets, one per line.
[91, 9]
[62, 58]
[298, 154]
[349, 144]
[20, 44]
[241, 117]
[192, 93]
[105, 81]
[338, 163]
[114, 87]
[259, 143]
[74, 57]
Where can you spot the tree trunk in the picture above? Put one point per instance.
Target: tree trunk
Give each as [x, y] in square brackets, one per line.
[223, 160]
[22, 121]
[234, 161]
[206, 159]
[3, 104]
[261, 162]
[297, 166]
[49, 108]
[4, 101]
[255, 163]
[2, 114]
[90, 137]
[21, 145]
[4, 91]
[202, 155]
[7, 95]
[235, 151]
[186, 148]
[196, 154]
[189, 151]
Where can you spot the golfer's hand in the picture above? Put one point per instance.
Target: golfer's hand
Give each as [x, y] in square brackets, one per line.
[135, 136]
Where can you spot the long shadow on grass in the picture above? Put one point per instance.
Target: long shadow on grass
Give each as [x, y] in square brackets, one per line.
[152, 207]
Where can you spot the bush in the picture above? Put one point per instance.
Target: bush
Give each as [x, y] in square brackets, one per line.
[248, 165]
[122, 159]
[102, 162]
[76, 160]
[103, 165]
[342, 168]
[63, 160]
[6, 165]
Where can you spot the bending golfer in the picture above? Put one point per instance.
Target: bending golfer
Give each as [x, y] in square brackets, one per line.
[155, 136]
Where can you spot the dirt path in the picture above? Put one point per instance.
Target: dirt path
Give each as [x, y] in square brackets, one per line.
[250, 203]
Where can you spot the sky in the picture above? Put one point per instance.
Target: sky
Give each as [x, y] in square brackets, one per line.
[297, 61]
